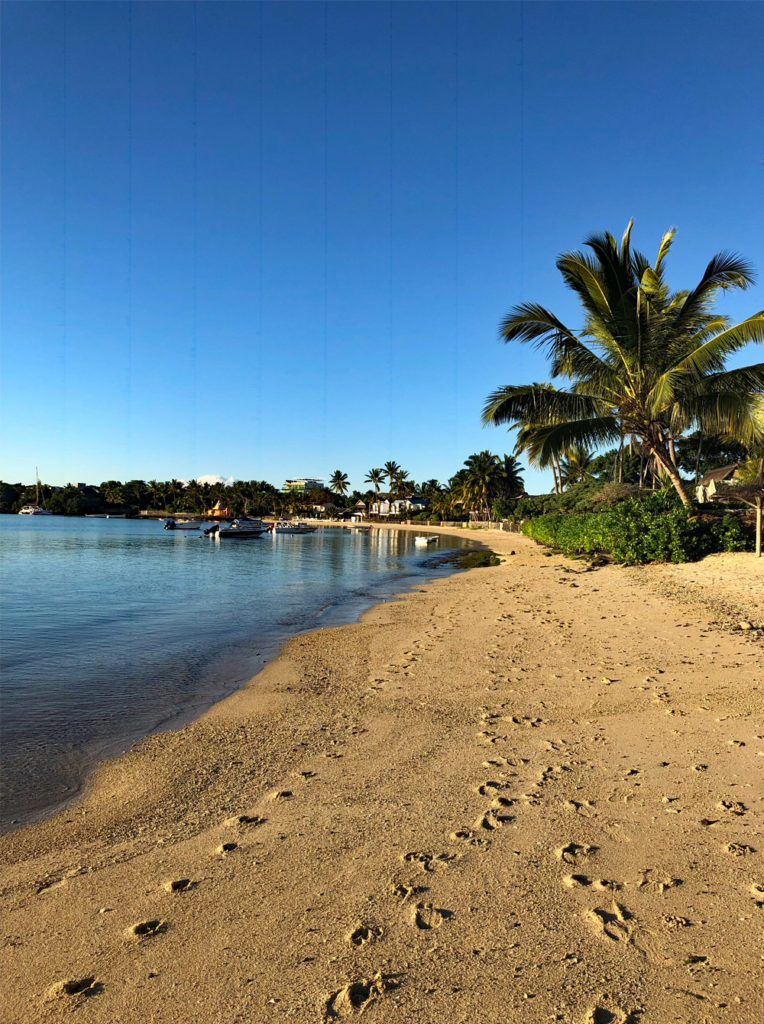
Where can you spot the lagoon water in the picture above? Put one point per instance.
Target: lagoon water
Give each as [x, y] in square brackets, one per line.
[112, 629]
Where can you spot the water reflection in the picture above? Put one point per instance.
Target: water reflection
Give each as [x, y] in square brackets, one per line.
[112, 628]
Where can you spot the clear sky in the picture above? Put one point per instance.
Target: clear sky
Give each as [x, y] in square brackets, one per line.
[272, 240]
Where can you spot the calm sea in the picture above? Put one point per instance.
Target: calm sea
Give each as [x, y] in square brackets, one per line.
[112, 629]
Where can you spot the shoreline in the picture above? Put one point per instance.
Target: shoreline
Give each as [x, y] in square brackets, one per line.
[99, 750]
[403, 793]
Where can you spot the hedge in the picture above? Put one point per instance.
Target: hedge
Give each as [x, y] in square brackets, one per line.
[638, 531]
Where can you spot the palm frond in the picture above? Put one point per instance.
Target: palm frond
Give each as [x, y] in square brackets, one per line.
[538, 404]
[543, 443]
[710, 356]
[724, 270]
[741, 380]
[531, 322]
[732, 414]
[663, 249]
[580, 274]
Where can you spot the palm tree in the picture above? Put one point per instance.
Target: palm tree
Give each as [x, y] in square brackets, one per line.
[647, 362]
[401, 486]
[339, 482]
[481, 481]
[391, 471]
[375, 478]
[575, 465]
[511, 481]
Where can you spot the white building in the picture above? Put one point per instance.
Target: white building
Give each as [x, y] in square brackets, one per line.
[397, 507]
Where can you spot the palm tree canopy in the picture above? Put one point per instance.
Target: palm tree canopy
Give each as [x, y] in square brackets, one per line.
[339, 482]
[375, 477]
[647, 361]
[391, 469]
[576, 465]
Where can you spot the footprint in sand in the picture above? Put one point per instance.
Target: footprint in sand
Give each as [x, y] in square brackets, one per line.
[364, 934]
[467, 835]
[596, 883]
[732, 807]
[583, 807]
[357, 996]
[492, 788]
[614, 925]
[404, 892]
[428, 861]
[573, 851]
[490, 820]
[659, 884]
[425, 916]
[146, 929]
[245, 820]
[757, 893]
[504, 762]
[88, 986]
[180, 885]
[738, 849]
[606, 1015]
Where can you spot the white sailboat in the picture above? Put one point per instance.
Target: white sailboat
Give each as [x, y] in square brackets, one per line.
[36, 509]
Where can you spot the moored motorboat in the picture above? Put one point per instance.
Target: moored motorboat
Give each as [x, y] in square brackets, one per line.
[238, 529]
[184, 524]
[423, 542]
[285, 526]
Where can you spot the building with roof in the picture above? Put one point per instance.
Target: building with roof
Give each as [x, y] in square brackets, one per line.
[706, 487]
[302, 484]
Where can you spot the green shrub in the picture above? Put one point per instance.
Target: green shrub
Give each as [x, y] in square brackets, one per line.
[656, 528]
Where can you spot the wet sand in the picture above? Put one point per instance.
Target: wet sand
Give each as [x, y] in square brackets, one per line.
[522, 793]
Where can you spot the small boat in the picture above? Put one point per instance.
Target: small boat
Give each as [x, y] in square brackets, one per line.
[284, 526]
[238, 529]
[184, 524]
[34, 510]
[423, 542]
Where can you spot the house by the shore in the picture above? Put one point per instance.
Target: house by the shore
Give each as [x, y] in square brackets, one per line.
[706, 487]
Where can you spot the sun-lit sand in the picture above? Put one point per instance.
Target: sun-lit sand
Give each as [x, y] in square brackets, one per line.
[525, 793]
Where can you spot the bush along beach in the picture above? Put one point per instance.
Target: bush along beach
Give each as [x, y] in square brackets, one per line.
[639, 530]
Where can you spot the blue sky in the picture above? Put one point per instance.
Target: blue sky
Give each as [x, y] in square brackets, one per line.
[271, 240]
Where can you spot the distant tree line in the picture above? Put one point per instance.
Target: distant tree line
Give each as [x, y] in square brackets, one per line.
[473, 490]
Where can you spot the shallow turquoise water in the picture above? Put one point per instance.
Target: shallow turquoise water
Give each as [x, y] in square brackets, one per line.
[112, 629]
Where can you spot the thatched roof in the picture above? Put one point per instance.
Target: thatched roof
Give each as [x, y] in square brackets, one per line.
[720, 474]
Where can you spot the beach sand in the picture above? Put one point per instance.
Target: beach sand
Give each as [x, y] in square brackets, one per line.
[524, 793]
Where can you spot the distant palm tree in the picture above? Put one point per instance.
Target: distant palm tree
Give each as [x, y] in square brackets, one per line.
[511, 477]
[391, 471]
[575, 466]
[647, 362]
[482, 479]
[375, 478]
[402, 487]
[339, 482]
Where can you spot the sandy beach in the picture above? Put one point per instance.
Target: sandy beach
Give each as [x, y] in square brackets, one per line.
[525, 793]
